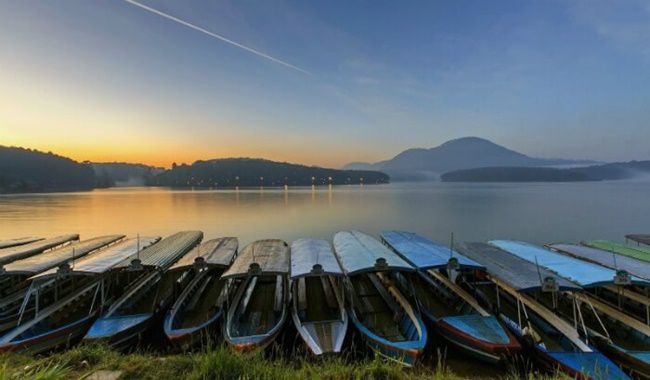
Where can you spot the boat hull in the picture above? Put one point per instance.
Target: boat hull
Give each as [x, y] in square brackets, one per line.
[65, 336]
[193, 337]
[119, 332]
[480, 349]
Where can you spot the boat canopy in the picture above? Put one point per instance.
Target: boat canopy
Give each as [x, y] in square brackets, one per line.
[18, 241]
[358, 253]
[54, 258]
[102, 261]
[608, 259]
[639, 238]
[216, 252]
[639, 253]
[518, 273]
[313, 257]
[423, 253]
[10, 254]
[581, 272]
[164, 253]
[269, 256]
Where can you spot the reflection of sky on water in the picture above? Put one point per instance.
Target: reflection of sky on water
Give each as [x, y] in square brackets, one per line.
[534, 212]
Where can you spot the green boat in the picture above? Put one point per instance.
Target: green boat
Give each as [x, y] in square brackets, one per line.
[639, 253]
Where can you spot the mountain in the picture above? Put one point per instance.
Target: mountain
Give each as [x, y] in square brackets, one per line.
[123, 174]
[614, 171]
[245, 172]
[462, 153]
[26, 170]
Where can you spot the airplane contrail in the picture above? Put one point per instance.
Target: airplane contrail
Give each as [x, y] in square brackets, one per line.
[221, 38]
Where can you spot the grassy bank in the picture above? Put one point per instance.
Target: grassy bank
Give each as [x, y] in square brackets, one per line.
[219, 363]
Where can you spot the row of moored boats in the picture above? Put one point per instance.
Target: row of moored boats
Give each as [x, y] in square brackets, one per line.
[582, 309]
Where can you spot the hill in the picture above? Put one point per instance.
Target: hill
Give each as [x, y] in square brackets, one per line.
[248, 172]
[462, 153]
[614, 171]
[123, 174]
[26, 170]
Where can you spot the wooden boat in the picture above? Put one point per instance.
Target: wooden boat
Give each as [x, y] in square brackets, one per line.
[15, 276]
[508, 286]
[456, 315]
[386, 320]
[42, 327]
[194, 316]
[147, 299]
[639, 238]
[6, 243]
[258, 296]
[318, 311]
[18, 252]
[623, 338]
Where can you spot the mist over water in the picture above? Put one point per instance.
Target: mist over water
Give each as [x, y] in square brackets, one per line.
[537, 212]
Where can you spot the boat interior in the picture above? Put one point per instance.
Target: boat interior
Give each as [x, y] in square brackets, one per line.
[151, 291]
[379, 311]
[622, 302]
[317, 299]
[203, 298]
[261, 302]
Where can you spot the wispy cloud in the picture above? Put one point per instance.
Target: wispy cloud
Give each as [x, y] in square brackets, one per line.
[217, 36]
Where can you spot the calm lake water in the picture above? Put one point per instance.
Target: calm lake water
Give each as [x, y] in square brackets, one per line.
[539, 213]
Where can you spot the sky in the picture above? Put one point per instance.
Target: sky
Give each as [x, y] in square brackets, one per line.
[323, 83]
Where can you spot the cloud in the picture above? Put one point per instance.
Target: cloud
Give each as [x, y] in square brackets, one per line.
[217, 36]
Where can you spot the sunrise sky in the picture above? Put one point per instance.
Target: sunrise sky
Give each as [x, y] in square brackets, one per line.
[323, 83]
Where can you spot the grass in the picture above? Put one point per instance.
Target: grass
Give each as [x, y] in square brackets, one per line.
[218, 363]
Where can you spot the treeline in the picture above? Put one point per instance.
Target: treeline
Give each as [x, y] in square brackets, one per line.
[249, 172]
[614, 171]
[27, 170]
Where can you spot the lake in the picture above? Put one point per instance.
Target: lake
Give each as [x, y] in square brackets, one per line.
[536, 212]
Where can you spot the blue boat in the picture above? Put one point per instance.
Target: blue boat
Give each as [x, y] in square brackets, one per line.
[196, 313]
[147, 300]
[455, 314]
[621, 336]
[63, 320]
[389, 324]
[511, 287]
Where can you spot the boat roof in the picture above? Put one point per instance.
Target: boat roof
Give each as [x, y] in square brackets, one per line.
[423, 253]
[10, 254]
[164, 253]
[639, 238]
[581, 272]
[358, 253]
[104, 260]
[268, 256]
[39, 263]
[518, 273]
[608, 259]
[313, 257]
[18, 241]
[216, 252]
[639, 253]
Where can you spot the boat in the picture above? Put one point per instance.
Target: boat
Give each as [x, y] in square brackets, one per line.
[317, 306]
[15, 276]
[6, 243]
[194, 317]
[258, 295]
[639, 238]
[635, 267]
[80, 290]
[623, 338]
[509, 286]
[387, 321]
[639, 253]
[18, 252]
[152, 292]
[455, 314]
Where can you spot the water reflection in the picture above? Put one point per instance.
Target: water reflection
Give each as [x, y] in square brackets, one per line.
[534, 212]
